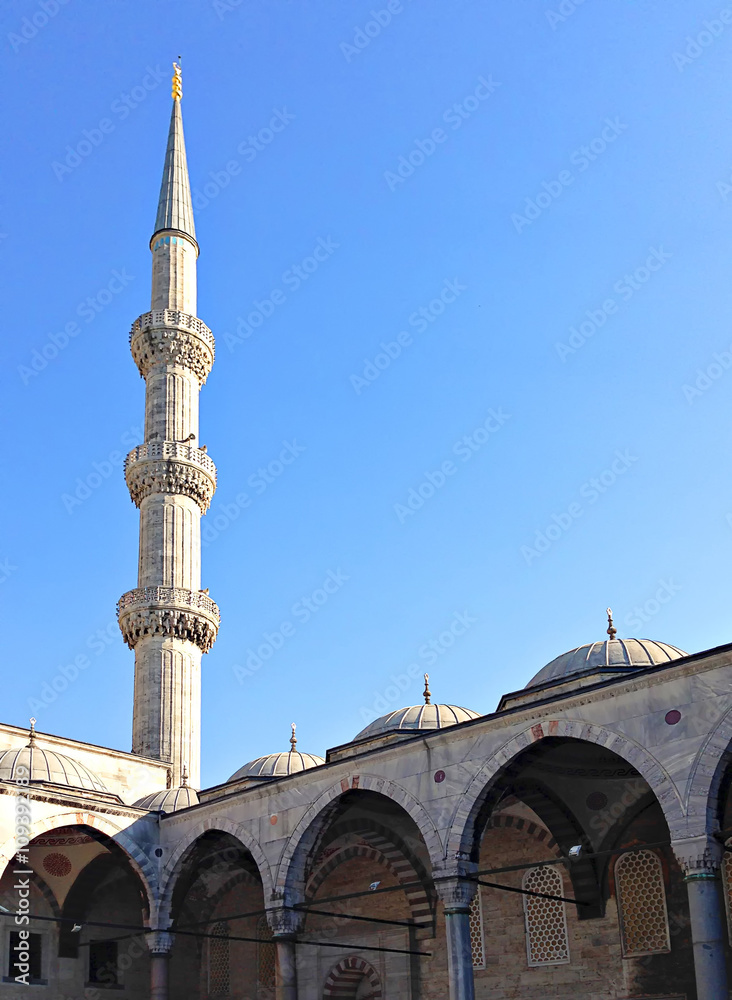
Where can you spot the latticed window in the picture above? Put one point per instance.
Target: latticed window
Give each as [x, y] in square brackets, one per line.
[476, 932]
[727, 878]
[546, 921]
[641, 904]
[219, 974]
[265, 955]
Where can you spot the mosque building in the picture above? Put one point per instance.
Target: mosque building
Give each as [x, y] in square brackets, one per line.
[572, 843]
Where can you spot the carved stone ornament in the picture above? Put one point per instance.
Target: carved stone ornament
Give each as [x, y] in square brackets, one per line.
[159, 942]
[283, 921]
[699, 857]
[456, 893]
[169, 337]
[169, 467]
[169, 612]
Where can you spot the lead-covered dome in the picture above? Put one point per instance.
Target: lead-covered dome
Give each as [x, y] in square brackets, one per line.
[33, 764]
[612, 655]
[278, 765]
[416, 718]
[169, 800]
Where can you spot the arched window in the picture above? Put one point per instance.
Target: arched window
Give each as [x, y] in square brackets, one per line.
[546, 921]
[476, 932]
[265, 955]
[219, 975]
[641, 904]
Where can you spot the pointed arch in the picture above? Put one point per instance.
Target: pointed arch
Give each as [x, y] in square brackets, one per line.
[344, 979]
[180, 855]
[291, 867]
[462, 827]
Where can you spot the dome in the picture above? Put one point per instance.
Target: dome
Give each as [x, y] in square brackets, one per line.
[278, 765]
[169, 799]
[416, 718]
[611, 655]
[34, 764]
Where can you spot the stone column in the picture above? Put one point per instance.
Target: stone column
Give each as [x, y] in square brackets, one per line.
[456, 895]
[159, 944]
[285, 923]
[700, 859]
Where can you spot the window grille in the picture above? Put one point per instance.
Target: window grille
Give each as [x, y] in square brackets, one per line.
[265, 955]
[219, 975]
[641, 904]
[547, 942]
[476, 932]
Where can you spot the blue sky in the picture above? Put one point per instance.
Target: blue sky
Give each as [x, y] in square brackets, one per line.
[524, 215]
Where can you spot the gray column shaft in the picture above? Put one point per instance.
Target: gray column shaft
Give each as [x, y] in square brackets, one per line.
[286, 969]
[459, 955]
[159, 976]
[708, 937]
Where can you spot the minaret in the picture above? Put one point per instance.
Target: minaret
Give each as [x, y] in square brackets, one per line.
[168, 620]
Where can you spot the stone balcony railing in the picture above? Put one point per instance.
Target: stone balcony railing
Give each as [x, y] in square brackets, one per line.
[170, 612]
[171, 337]
[173, 468]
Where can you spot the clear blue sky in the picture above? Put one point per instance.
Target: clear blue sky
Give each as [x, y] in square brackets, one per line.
[493, 103]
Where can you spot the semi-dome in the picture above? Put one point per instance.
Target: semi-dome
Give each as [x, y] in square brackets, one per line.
[168, 800]
[611, 655]
[32, 763]
[278, 765]
[415, 718]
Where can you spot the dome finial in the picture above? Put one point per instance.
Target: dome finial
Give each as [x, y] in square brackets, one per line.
[293, 738]
[611, 630]
[177, 80]
[32, 734]
[427, 693]
[184, 777]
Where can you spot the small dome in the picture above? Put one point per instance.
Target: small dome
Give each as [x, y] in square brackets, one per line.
[611, 655]
[415, 718]
[278, 765]
[34, 764]
[169, 799]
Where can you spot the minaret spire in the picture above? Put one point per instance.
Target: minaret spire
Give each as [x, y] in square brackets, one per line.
[168, 619]
[175, 211]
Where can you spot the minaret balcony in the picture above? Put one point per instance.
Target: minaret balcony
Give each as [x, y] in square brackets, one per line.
[169, 337]
[169, 612]
[170, 467]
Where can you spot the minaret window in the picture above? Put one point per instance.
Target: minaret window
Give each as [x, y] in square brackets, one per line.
[547, 942]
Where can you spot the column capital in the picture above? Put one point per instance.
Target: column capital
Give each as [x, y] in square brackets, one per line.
[160, 942]
[699, 857]
[456, 892]
[284, 921]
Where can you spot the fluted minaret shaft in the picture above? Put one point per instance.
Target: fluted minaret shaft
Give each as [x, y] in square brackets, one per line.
[167, 619]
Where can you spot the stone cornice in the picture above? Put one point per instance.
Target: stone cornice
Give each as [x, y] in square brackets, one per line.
[169, 337]
[171, 468]
[168, 611]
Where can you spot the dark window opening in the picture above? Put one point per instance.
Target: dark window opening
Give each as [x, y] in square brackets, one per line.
[103, 963]
[24, 958]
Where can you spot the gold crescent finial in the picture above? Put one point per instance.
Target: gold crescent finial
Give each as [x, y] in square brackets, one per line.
[611, 630]
[427, 693]
[293, 738]
[177, 80]
[32, 740]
